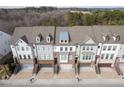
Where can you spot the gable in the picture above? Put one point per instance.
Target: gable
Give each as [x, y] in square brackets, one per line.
[21, 42]
[90, 41]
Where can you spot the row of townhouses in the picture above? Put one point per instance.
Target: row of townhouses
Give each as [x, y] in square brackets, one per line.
[68, 47]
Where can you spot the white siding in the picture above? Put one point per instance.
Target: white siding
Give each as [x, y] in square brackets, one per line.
[121, 53]
[88, 55]
[109, 53]
[44, 52]
[17, 50]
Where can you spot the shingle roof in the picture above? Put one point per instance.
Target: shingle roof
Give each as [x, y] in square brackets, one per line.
[100, 31]
[76, 34]
[30, 33]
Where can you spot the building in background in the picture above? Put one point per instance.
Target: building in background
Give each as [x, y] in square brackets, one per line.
[4, 44]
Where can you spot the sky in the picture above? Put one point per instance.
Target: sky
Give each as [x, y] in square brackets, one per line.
[61, 3]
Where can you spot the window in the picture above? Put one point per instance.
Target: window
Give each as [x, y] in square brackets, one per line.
[45, 57]
[102, 56]
[109, 48]
[29, 57]
[83, 57]
[90, 57]
[122, 56]
[63, 57]
[86, 57]
[48, 48]
[20, 56]
[24, 56]
[70, 48]
[38, 48]
[48, 38]
[22, 48]
[114, 48]
[61, 41]
[66, 49]
[98, 46]
[112, 56]
[91, 47]
[43, 48]
[61, 48]
[87, 47]
[48, 56]
[104, 48]
[83, 47]
[65, 41]
[107, 56]
[27, 48]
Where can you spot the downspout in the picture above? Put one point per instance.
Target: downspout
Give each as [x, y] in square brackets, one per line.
[17, 53]
[54, 42]
[98, 55]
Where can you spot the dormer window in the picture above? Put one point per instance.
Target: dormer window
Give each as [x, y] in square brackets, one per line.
[61, 41]
[106, 38]
[49, 38]
[116, 38]
[38, 38]
[64, 37]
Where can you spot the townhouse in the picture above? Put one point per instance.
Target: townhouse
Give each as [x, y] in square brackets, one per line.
[33, 45]
[110, 39]
[67, 46]
[75, 44]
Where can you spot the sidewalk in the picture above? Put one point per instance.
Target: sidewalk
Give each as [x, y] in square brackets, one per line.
[21, 75]
[47, 78]
[64, 82]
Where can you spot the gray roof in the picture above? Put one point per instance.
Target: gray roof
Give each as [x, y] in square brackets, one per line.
[100, 31]
[75, 34]
[29, 34]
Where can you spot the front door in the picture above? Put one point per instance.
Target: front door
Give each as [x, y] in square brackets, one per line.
[64, 58]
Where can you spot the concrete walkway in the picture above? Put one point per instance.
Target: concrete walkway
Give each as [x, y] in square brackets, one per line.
[64, 78]
[64, 82]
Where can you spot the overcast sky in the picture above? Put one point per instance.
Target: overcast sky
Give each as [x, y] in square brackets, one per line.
[61, 3]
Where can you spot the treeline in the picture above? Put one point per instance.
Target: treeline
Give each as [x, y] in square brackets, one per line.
[45, 16]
